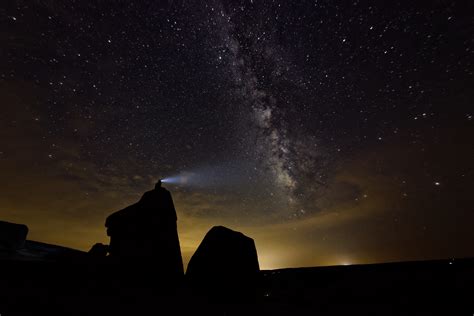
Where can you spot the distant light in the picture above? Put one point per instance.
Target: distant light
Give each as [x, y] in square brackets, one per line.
[346, 263]
[437, 183]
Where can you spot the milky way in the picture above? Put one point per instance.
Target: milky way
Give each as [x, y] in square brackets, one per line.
[283, 157]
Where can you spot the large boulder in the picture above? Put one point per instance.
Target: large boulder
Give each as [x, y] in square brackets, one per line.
[224, 255]
[144, 236]
[12, 236]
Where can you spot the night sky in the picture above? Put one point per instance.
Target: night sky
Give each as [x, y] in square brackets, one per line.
[331, 132]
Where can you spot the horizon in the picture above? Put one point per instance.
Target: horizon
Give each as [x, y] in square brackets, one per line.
[329, 133]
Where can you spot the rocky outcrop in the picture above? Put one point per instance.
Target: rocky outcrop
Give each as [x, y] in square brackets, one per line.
[224, 254]
[147, 232]
[12, 236]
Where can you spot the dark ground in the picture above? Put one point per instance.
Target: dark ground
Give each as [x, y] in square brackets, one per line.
[78, 287]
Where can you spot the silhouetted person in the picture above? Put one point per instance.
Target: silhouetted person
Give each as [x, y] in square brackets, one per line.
[147, 231]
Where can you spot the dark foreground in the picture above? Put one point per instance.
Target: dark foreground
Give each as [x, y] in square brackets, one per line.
[444, 287]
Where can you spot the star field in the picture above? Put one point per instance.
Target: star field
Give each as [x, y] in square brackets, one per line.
[330, 132]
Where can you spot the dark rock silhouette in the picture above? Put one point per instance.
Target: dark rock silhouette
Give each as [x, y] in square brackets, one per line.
[147, 231]
[99, 250]
[12, 236]
[224, 256]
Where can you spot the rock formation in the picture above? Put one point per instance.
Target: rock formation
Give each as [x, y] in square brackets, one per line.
[146, 231]
[222, 255]
[12, 236]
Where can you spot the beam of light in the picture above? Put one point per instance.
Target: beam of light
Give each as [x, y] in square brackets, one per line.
[181, 179]
[219, 175]
[199, 178]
